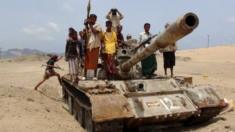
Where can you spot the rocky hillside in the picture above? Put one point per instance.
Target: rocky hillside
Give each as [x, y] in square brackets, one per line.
[12, 53]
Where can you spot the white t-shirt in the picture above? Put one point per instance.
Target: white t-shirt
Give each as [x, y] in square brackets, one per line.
[144, 36]
[115, 19]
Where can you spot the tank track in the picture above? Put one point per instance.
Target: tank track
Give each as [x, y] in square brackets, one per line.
[205, 115]
[79, 106]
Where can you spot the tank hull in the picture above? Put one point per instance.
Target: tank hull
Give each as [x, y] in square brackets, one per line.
[121, 105]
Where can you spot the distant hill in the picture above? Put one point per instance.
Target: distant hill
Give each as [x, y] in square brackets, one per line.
[12, 53]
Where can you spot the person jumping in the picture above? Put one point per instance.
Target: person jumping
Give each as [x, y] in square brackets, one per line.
[49, 71]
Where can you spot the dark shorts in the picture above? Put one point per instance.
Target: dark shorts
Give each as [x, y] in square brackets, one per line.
[169, 59]
[49, 73]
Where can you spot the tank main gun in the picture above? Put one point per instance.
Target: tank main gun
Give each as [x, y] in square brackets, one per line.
[174, 32]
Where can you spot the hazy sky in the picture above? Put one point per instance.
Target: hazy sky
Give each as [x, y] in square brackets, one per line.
[42, 24]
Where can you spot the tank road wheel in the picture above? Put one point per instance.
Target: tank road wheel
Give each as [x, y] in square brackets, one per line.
[75, 110]
[79, 114]
[70, 104]
[85, 119]
[88, 121]
[65, 94]
[114, 126]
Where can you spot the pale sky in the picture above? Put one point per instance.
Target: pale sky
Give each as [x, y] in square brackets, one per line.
[43, 24]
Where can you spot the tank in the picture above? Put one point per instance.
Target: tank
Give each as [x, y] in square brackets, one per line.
[133, 102]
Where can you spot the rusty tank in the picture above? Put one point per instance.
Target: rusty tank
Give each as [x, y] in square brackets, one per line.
[132, 102]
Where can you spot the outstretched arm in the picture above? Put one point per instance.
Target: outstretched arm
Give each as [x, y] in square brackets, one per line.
[52, 66]
[60, 58]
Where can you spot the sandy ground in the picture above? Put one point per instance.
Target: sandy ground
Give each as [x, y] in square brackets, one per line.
[24, 110]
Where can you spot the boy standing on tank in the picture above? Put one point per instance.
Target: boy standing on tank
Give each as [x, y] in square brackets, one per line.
[72, 54]
[115, 16]
[93, 37]
[169, 57]
[110, 49]
[149, 64]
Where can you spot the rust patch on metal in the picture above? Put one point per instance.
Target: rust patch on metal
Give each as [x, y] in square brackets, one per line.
[106, 107]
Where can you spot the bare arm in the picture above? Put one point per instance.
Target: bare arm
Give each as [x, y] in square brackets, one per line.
[95, 29]
[120, 14]
[116, 41]
[52, 66]
[60, 58]
[108, 15]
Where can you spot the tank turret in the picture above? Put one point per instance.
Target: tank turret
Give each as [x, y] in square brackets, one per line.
[174, 32]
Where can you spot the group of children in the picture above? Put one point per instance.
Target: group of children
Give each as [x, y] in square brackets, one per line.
[83, 51]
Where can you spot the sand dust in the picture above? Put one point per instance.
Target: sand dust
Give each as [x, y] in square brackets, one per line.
[24, 110]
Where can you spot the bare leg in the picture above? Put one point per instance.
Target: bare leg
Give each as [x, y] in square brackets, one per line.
[76, 79]
[165, 70]
[172, 72]
[59, 79]
[95, 72]
[36, 87]
[85, 72]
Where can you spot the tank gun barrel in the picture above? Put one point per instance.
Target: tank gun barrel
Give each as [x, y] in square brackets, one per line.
[174, 32]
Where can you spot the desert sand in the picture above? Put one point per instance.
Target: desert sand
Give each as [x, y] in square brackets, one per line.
[24, 110]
